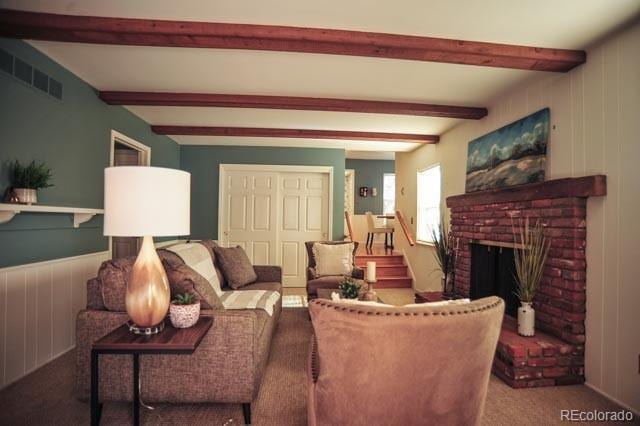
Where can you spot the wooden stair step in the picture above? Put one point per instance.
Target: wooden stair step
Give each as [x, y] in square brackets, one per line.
[389, 270]
[393, 282]
[380, 260]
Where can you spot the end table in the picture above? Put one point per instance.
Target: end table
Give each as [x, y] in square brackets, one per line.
[173, 341]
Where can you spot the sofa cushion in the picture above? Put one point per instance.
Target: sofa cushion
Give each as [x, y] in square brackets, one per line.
[333, 259]
[309, 246]
[235, 266]
[113, 276]
[271, 286]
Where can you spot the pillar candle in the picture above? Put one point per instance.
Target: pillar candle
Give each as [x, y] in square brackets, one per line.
[371, 271]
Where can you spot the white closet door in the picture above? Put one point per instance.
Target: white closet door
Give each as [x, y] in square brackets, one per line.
[249, 214]
[304, 216]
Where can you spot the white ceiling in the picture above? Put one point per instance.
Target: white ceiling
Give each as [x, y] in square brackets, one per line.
[544, 23]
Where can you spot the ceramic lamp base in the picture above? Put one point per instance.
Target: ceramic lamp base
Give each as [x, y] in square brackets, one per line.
[148, 294]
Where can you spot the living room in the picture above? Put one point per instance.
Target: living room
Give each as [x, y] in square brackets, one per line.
[302, 213]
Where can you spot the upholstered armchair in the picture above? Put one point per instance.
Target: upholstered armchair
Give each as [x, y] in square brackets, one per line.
[314, 282]
[412, 365]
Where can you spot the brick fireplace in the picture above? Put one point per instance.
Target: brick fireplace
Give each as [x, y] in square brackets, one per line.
[555, 355]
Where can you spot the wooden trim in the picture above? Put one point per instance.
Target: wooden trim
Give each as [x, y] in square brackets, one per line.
[256, 132]
[291, 103]
[582, 187]
[347, 217]
[153, 32]
[405, 228]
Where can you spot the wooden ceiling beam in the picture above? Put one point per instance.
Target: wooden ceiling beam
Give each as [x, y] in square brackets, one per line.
[291, 103]
[256, 132]
[152, 32]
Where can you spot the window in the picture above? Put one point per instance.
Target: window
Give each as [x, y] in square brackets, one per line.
[389, 193]
[428, 203]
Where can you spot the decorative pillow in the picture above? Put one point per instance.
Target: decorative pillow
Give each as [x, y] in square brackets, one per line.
[197, 257]
[113, 275]
[235, 266]
[333, 259]
[210, 245]
[184, 279]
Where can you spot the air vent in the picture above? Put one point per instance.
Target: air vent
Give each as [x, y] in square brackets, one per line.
[40, 80]
[30, 75]
[6, 61]
[55, 88]
[23, 71]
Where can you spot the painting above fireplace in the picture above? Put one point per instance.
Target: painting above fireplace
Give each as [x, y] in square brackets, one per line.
[512, 155]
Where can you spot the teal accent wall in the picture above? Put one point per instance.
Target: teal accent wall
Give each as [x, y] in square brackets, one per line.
[369, 173]
[203, 163]
[73, 137]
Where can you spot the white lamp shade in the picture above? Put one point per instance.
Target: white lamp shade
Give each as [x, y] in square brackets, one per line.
[146, 201]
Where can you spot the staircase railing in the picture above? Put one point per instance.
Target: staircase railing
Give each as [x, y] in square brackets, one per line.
[405, 228]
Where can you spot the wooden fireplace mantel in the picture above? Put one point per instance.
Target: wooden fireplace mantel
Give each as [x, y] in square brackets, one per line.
[586, 186]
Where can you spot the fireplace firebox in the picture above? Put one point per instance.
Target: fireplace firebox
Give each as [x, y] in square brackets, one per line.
[492, 274]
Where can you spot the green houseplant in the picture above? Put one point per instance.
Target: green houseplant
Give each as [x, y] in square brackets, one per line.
[530, 254]
[445, 255]
[349, 288]
[27, 179]
[184, 310]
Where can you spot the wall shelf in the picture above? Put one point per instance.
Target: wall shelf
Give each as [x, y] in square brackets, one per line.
[80, 215]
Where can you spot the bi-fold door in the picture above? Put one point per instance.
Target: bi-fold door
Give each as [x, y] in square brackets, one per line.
[271, 213]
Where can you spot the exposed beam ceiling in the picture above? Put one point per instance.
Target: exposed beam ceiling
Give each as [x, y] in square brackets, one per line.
[292, 133]
[149, 32]
[290, 103]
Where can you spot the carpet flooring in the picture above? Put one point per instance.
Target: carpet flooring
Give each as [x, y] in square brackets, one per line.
[46, 396]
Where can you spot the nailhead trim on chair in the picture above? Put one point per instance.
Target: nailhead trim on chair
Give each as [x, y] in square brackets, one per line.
[328, 304]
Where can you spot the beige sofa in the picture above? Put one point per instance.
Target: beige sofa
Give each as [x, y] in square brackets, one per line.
[418, 365]
[227, 367]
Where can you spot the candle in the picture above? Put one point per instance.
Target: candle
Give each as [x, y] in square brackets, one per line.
[371, 271]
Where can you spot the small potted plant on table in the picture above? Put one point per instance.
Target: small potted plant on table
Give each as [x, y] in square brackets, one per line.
[26, 180]
[530, 258]
[349, 289]
[184, 310]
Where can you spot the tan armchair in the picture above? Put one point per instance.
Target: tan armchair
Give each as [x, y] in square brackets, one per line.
[314, 282]
[417, 365]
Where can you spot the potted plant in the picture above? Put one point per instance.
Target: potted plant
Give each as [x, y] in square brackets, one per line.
[184, 310]
[349, 288]
[26, 180]
[530, 257]
[445, 256]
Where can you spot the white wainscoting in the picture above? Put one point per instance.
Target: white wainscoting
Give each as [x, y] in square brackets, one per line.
[38, 307]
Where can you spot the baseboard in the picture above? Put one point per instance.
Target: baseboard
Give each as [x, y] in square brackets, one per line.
[616, 400]
[405, 259]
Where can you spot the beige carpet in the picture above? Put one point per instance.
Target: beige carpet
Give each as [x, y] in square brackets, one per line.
[45, 397]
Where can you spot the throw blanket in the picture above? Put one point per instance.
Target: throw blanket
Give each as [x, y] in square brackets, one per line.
[250, 299]
[197, 257]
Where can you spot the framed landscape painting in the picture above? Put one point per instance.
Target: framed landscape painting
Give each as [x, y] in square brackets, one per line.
[512, 155]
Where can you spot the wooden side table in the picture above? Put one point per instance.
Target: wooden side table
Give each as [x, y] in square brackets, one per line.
[121, 341]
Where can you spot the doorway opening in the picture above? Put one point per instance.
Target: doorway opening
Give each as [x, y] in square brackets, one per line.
[126, 152]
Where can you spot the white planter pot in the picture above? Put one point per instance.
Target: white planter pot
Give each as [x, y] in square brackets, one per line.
[184, 316]
[26, 195]
[526, 319]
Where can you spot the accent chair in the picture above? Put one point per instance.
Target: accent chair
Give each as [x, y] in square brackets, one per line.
[410, 365]
[315, 282]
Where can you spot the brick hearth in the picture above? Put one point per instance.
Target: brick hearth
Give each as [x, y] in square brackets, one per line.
[556, 354]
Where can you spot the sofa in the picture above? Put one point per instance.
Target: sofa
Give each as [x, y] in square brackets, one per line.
[227, 367]
[315, 282]
[423, 364]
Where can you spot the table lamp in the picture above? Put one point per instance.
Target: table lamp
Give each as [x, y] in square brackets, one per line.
[146, 202]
